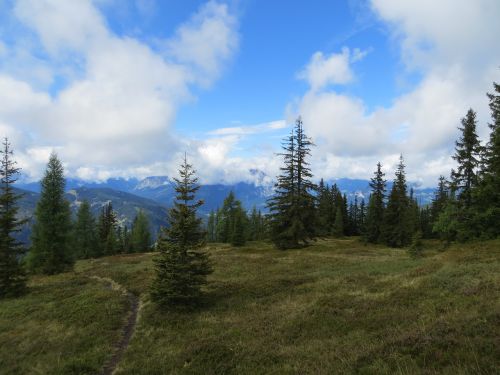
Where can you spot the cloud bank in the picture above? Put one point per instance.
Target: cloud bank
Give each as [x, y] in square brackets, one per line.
[106, 103]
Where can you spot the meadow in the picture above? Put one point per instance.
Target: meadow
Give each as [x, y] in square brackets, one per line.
[336, 307]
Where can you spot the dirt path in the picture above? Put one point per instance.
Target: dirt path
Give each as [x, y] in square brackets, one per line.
[128, 329]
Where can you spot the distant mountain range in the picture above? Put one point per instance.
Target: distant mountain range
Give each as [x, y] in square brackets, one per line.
[156, 194]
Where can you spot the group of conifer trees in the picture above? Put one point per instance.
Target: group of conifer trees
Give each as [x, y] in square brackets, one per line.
[467, 205]
[57, 241]
[231, 223]
[335, 215]
[392, 219]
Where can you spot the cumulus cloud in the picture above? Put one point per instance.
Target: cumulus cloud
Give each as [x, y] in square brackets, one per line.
[450, 45]
[333, 69]
[114, 111]
[205, 40]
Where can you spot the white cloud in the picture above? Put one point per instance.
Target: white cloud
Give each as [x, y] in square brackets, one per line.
[114, 114]
[333, 69]
[450, 44]
[250, 129]
[205, 40]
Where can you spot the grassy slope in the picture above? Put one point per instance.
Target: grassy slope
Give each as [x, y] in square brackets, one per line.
[336, 307]
[67, 324]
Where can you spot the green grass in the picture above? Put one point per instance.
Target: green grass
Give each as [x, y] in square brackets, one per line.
[337, 307]
[67, 324]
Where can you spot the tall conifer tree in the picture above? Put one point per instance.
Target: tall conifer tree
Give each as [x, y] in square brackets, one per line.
[106, 229]
[376, 207]
[50, 251]
[440, 199]
[398, 227]
[12, 276]
[85, 243]
[140, 236]
[181, 267]
[488, 194]
[468, 151]
[292, 208]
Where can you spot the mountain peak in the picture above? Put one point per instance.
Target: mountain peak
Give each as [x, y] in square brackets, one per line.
[153, 182]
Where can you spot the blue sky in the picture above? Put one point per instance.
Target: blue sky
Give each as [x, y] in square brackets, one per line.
[123, 88]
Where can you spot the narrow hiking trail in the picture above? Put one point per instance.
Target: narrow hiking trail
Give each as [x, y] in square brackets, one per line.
[128, 329]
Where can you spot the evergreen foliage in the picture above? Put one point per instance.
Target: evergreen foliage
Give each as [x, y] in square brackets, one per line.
[85, 243]
[106, 228]
[181, 267]
[325, 210]
[140, 236]
[416, 245]
[12, 275]
[376, 207]
[212, 227]
[487, 216]
[440, 199]
[458, 221]
[292, 208]
[230, 224]
[238, 236]
[468, 153]
[338, 225]
[398, 226]
[51, 237]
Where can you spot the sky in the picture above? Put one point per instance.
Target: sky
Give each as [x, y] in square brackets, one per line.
[123, 88]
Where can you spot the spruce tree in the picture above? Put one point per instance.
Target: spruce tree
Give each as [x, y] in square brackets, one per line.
[398, 227]
[292, 208]
[446, 226]
[85, 244]
[376, 207]
[106, 228]
[256, 225]
[50, 252]
[487, 215]
[12, 276]
[227, 214]
[468, 153]
[325, 208]
[181, 267]
[440, 199]
[140, 236]
[362, 217]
